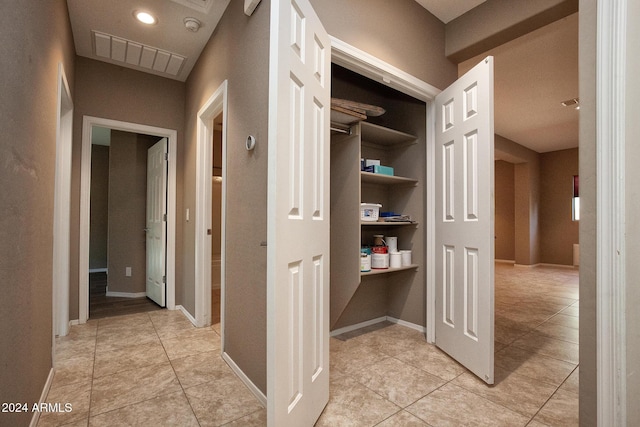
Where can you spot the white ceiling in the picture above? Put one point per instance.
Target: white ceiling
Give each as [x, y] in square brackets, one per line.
[533, 74]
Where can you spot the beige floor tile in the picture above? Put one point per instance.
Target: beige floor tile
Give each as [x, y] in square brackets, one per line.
[351, 356]
[536, 366]
[200, 368]
[516, 392]
[572, 384]
[122, 335]
[397, 381]
[76, 345]
[542, 344]
[138, 319]
[432, 360]
[222, 401]
[403, 419]
[573, 310]
[127, 387]
[256, 419]
[77, 394]
[127, 358]
[167, 410]
[560, 332]
[200, 340]
[564, 320]
[454, 406]
[352, 404]
[561, 410]
[74, 369]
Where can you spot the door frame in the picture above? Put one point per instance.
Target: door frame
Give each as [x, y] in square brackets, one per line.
[62, 209]
[216, 104]
[367, 65]
[85, 199]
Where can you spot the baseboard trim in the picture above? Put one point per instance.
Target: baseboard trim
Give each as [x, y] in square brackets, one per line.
[505, 261]
[358, 326]
[406, 324]
[187, 315]
[43, 398]
[126, 294]
[361, 325]
[544, 264]
[262, 398]
[98, 270]
[74, 322]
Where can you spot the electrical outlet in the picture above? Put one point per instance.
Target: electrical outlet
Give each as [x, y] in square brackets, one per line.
[127, 271]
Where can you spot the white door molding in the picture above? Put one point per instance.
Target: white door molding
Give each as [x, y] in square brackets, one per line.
[62, 208]
[610, 207]
[365, 64]
[85, 198]
[216, 104]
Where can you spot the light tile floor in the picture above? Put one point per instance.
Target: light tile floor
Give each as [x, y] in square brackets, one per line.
[156, 369]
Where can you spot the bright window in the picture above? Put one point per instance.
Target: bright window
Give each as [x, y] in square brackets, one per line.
[575, 206]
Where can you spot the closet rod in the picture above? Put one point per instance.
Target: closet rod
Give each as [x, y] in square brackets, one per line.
[341, 130]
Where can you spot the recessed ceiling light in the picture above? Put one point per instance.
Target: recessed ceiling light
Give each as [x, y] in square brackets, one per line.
[145, 17]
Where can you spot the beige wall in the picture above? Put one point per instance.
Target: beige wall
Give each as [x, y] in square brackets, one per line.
[400, 32]
[505, 221]
[632, 193]
[99, 218]
[36, 37]
[238, 51]
[558, 232]
[127, 211]
[112, 92]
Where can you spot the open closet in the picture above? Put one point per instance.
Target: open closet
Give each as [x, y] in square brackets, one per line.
[397, 139]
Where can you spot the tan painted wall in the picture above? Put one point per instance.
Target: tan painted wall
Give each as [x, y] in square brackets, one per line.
[36, 36]
[505, 222]
[112, 92]
[400, 32]
[99, 218]
[127, 211]
[238, 51]
[558, 232]
[632, 156]
[496, 22]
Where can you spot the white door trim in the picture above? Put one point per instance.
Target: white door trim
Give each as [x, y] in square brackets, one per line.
[369, 66]
[216, 104]
[85, 197]
[62, 208]
[611, 255]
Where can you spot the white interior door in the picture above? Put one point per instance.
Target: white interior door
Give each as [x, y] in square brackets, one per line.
[464, 182]
[298, 216]
[156, 229]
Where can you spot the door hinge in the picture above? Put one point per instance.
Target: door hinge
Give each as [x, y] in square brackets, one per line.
[164, 217]
[166, 156]
[164, 279]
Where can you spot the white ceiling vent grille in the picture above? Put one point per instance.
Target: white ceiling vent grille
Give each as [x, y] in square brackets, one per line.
[136, 54]
[203, 6]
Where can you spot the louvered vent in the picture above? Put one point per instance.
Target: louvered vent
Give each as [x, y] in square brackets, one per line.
[137, 54]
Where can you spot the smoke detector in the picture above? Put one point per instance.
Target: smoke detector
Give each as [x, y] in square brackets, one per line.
[192, 24]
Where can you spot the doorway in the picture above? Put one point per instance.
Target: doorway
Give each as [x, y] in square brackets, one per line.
[126, 230]
[216, 222]
[85, 197]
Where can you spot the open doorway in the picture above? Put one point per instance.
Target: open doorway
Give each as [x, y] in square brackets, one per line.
[85, 197]
[216, 223]
[119, 250]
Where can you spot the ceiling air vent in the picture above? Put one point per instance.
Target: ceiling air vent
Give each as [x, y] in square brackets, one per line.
[136, 54]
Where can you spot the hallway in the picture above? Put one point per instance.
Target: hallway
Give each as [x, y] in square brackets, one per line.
[157, 369]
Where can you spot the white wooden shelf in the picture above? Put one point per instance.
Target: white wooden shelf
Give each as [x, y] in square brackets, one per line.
[387, 224]
[382, 136]
[377, 178]
[376, 271]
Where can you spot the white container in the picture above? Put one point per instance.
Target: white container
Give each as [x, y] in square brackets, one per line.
[379, 261]
[406, 258]
[395, 260]
[392, 243]
[369, 211]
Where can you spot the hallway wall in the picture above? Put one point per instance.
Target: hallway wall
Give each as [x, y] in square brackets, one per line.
[36, 37]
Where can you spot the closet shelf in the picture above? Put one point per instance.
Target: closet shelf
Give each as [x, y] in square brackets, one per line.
[374, 272]
[387, 224]
[377, 178]
[385, 137]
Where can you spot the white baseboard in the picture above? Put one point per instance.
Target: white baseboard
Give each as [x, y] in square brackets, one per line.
[98, 270]
[358, 326]
[505, 261]
[544, 264]
[406, 324]
[43, 398]
[245, 379]
[74, 322]
[126, 294]
[187, 315]
[526, 265]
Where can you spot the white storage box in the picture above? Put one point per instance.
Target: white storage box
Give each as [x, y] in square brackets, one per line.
[369, 211]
